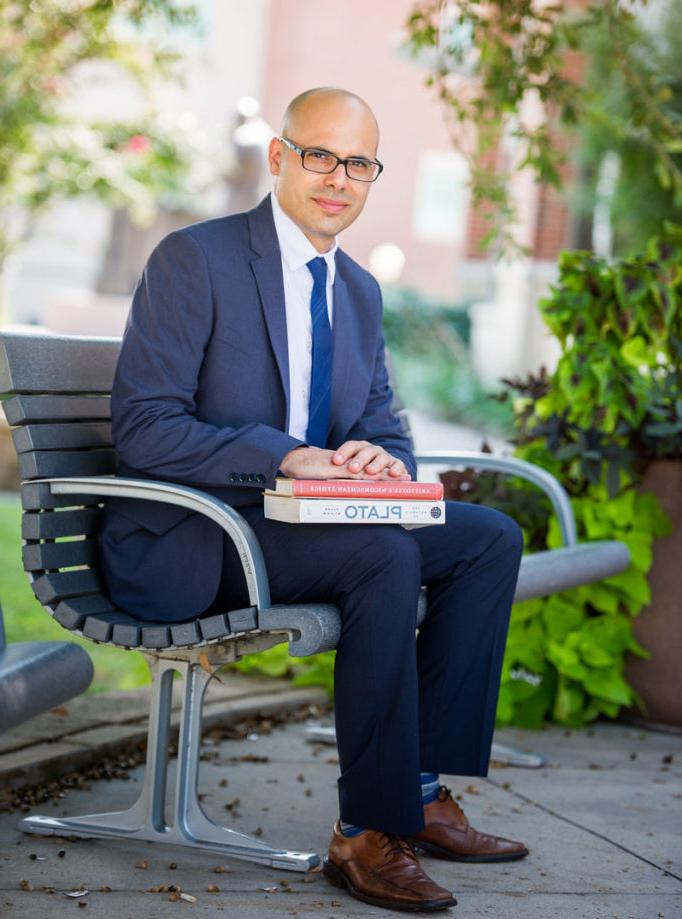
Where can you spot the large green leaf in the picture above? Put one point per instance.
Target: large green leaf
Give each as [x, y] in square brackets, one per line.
[568, 701]
[596, 656]
[609, 685]
[634, 587]
[639, 544]
[566, 660]
[561, 616]
[637, 353]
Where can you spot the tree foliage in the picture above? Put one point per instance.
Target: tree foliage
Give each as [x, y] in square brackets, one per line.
[514, 71]
[640, 200]
[45, 149]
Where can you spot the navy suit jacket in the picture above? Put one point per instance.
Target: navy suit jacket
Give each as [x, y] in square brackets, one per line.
[201, 397]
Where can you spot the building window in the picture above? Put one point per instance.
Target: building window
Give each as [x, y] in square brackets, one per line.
[441, 200]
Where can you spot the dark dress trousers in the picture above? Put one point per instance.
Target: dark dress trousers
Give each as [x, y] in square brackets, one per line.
[201, 397]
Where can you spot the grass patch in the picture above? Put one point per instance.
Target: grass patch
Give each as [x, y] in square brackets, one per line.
[26, 620]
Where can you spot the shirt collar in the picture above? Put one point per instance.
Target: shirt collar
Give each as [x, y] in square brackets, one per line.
[296, 248]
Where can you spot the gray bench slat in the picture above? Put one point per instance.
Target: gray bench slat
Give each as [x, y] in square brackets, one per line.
[52, 525]
[213, 627]
[126, 635]
[156, 637]
[71, 613]
[243, 620]
[59, 585]
[48, 463]
[62, 436]
[46, 555]
[100, 626]
[185, 633]
[57, 363]
[36, 496]
[127, 632]
[24, 409]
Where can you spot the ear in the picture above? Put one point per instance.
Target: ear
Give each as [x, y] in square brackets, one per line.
[275, 156]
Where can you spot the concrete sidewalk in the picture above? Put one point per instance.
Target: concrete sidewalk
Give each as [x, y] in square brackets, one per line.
[90, 727]
[602, 822]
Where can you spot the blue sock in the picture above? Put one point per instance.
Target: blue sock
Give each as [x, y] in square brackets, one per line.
[350, 829]
[430, 785]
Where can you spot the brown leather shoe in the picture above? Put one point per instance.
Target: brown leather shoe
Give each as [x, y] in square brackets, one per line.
[448, 834]
[383, 870]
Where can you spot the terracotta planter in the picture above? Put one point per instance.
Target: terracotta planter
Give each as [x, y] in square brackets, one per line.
[659, 626]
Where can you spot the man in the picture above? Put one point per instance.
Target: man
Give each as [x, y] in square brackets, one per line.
[254, 347]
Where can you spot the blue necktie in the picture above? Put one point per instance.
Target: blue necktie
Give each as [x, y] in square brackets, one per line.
[321, 371]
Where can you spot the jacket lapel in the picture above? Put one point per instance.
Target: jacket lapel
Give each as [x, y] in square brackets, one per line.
[267, 269]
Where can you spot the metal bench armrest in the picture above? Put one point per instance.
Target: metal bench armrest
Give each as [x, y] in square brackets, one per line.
[512, 466]
[232, 522]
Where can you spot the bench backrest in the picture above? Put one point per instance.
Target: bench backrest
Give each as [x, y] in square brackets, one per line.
[56, 397]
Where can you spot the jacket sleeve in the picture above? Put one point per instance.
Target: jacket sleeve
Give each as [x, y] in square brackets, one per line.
[378, 423]
[153, 406]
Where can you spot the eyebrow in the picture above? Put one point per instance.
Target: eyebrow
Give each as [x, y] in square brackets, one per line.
[353, 156]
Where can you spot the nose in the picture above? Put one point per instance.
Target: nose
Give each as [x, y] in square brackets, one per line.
[338, 178]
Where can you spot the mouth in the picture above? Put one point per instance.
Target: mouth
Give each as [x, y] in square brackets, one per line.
[330, 206]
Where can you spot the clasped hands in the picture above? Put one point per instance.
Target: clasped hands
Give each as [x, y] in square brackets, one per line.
[354, 459]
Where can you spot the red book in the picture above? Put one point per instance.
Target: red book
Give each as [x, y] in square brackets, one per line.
[356, 488]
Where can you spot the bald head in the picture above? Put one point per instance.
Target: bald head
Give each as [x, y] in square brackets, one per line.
[323, 120]
[316, 102]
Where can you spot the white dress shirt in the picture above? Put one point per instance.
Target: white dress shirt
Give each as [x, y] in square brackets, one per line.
[297, 251]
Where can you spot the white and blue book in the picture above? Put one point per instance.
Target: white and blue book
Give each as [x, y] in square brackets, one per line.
[352, 510]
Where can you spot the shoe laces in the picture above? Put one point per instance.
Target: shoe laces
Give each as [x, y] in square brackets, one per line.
[393, 845]
[444, 794]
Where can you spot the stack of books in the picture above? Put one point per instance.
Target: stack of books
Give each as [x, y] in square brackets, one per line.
[409, 504]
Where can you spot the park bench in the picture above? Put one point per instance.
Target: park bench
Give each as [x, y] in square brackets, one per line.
[36, 676]
[57, 401]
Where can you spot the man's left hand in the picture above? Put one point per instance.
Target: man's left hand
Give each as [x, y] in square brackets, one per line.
[364, 457]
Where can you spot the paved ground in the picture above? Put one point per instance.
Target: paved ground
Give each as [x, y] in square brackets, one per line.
[76, 734]
[602, 821]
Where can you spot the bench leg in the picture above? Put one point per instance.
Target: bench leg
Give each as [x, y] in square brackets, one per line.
[146, 818]
[506, 756]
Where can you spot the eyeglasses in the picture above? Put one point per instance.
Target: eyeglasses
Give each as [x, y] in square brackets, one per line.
[316, 160]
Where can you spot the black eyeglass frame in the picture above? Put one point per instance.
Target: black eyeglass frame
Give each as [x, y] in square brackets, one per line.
[303, 150]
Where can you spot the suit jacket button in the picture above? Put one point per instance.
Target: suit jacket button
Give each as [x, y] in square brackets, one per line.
[260, 478]
[243, 477]
[253, 477]
[234, 477]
